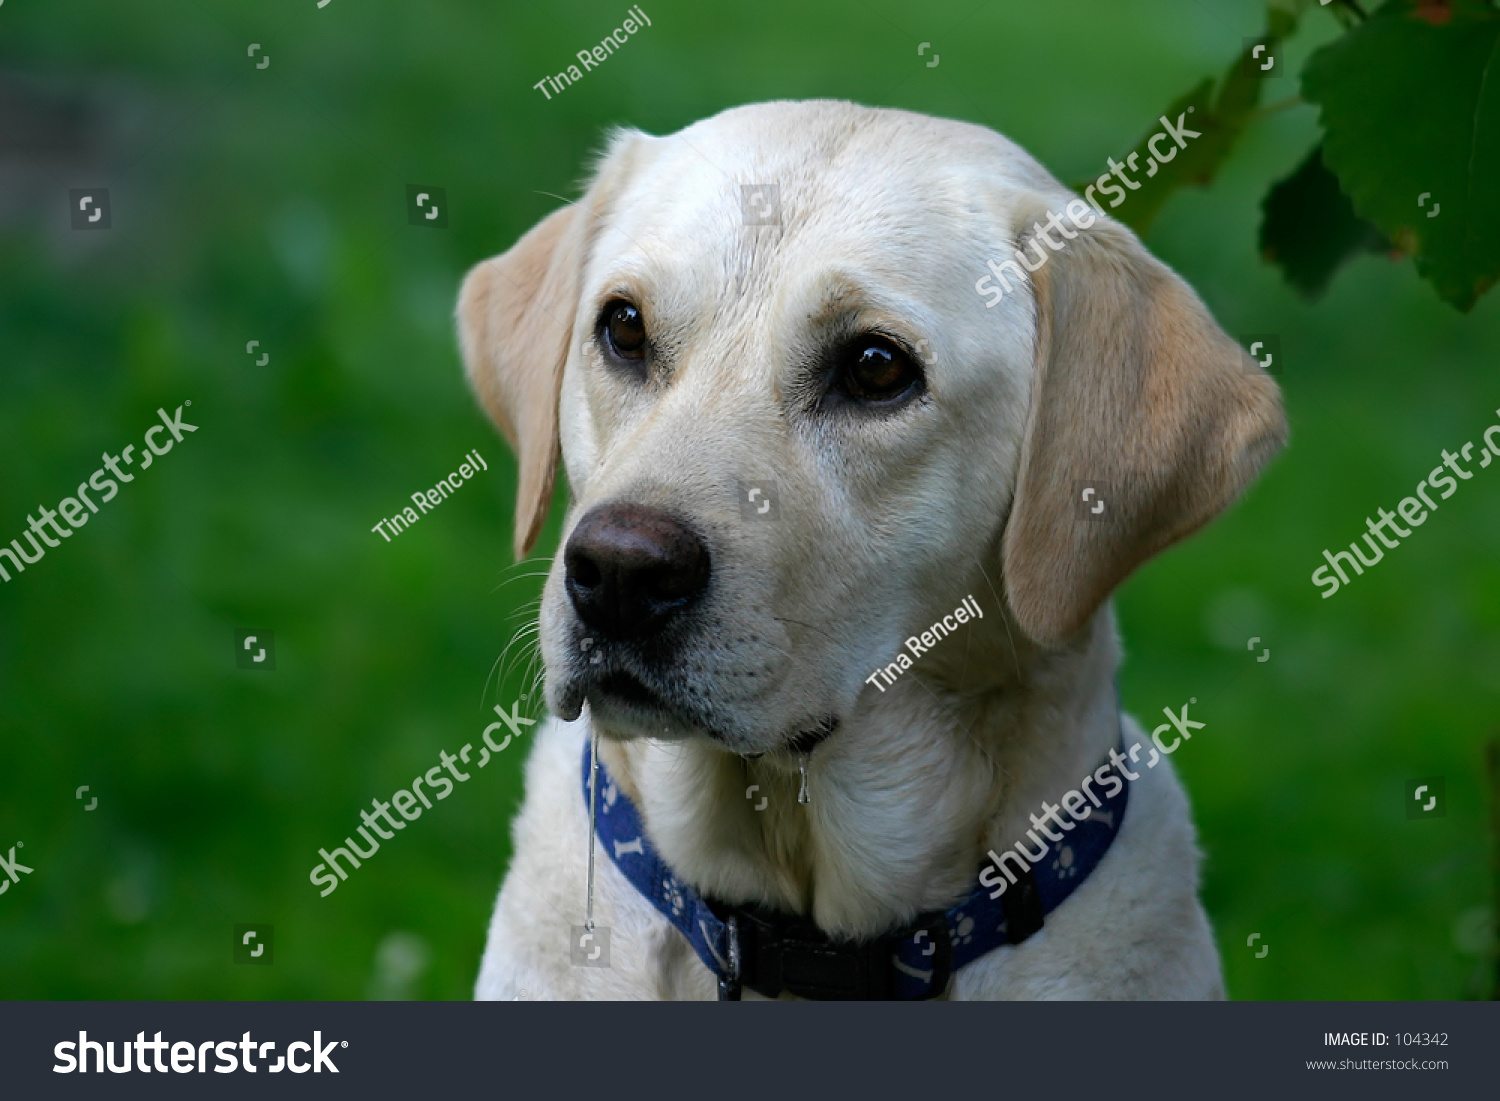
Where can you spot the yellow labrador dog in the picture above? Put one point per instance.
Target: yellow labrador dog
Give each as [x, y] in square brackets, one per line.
[800, 441]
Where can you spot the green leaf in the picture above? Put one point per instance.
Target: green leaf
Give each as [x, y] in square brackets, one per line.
[1411, 110]
[1310, 229]
[1220, 120]
[1193, 166]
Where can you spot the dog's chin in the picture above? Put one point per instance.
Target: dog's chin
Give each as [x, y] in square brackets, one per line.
[624, 708]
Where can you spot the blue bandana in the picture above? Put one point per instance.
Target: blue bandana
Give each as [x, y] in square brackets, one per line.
[773, 952]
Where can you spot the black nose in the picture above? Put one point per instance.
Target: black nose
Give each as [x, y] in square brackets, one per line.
[629, 568]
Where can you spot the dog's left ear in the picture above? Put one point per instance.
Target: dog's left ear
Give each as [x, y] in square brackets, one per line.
[1139, 395]
[516, 314]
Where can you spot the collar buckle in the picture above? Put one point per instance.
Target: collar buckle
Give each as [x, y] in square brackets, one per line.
[778, 954]
[730, 985]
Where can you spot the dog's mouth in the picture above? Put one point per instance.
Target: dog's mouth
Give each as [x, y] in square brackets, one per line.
[619, 697]
[804, 742]
[627, 689]
[628, 705]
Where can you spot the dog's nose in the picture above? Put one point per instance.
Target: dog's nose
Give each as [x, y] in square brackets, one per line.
[629, 568]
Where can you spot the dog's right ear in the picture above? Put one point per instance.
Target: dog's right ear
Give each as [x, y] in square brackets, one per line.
[515, 321]
[515, 318]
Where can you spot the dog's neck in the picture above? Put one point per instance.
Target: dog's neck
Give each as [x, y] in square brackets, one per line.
[904, 799]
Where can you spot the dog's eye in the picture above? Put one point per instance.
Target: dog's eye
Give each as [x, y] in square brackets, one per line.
[873, 370]
[624, 329]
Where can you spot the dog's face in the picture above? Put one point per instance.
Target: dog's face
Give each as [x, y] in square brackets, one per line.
[795, 433]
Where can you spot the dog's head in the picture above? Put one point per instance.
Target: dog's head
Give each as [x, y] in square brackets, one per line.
[795, 432]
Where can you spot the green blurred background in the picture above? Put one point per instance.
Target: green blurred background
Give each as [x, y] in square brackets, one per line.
[269, 204]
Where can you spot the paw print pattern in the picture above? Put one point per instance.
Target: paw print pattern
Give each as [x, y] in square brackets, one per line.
[964, 933]
[1065, 866]
[673, 895]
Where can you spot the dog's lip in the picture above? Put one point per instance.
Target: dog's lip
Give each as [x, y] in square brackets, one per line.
[624, 695]
[805, 741]
[625, 688]
[621, 696]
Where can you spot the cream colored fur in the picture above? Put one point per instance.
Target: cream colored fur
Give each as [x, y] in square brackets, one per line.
[1104, 367]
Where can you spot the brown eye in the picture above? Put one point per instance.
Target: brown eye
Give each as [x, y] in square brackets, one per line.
[874, 370]
[625, 330]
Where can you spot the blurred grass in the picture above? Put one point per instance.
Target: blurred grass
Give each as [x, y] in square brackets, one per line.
[269, 205]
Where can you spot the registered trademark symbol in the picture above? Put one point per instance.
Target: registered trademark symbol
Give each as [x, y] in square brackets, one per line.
[346, 1043]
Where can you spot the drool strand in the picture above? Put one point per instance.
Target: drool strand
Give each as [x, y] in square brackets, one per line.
[588, 921]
